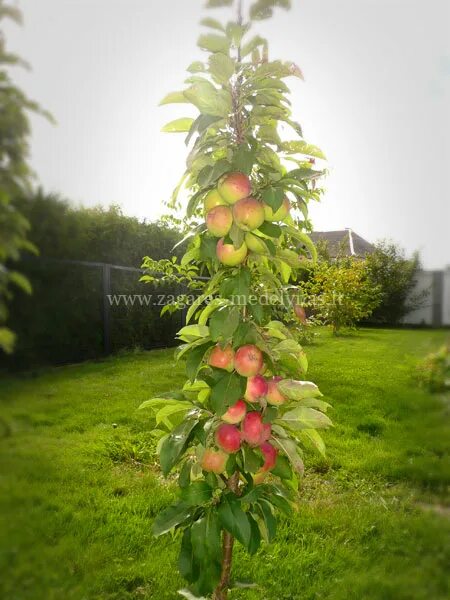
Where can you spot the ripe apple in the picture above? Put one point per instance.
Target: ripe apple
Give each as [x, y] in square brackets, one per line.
[270, 456]
[234, 186]
[255, 244]
[280, 214]
[229, 255]
[248, 360]
[274, 396]
[212, 199]
[300, 313]
[235, 413]
[222, 358]
[256, 388]
[214, 461]
[267, 432]
[252, 429]
[219, 220]
[228, 438]
[248, 214]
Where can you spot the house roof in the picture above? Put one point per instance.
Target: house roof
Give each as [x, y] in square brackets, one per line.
[344, 242]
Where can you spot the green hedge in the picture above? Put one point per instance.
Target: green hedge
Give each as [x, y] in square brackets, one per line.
[63, 319]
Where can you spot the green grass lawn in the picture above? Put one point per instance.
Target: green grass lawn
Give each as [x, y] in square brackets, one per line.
[80, 487]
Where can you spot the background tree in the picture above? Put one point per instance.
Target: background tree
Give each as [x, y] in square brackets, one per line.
[235, 431]
[396, 276]
[341, 292]
[15, 175]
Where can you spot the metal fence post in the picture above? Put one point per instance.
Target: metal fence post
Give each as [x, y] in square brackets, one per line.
[106, 286]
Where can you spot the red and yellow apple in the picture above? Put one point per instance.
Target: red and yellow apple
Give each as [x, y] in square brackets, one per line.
[222, 358]
[228, 438]
[274, 396]
[252, 429]
[256, 388]
[229, 255]
[278, 215]
[235, 413]
[234, 186]
[270, 456]
[212, 199]
[255, 244]
[248, 360]
[248, 214]
[214, 461]
[219, 220]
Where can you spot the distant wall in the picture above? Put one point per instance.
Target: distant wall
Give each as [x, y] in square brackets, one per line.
[435, 310]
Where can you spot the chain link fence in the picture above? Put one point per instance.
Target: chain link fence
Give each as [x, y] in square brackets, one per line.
[84, 310]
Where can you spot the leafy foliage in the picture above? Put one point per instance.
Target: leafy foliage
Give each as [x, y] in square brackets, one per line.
[341, 292]
[15, 177]
[235, 431]
[395, 275]
[433, 372]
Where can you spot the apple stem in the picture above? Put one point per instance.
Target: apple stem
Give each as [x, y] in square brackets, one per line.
[221, 591]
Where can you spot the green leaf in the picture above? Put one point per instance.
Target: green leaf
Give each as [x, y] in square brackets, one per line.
[197, 67]
[301, 147]
[187, 564]
[214, 43]
[298, 390]
[304, 174]
[193, 203]
[212, 23]
[221, 67]
[252, 459]
[252, 45]
[196, 493]
[303, 417]
[175, 444]
[270, 229]
[312, 436]
[208, 99]
[171, 517]
[279, 501]
[304, 239]
[255, 536]
[208, 248]
[193, 331]
[289, 447]
[206, 545]
[218, 3]
[163, 414]
[244, 159]
[223, 323]
[269, 520]
[226, 392]
[282, 468]
[174, 98]
[20, 281]
[178, 126]
[236, 235]
[235, 520]
[194, 360]
[210, 174]
[273, 197]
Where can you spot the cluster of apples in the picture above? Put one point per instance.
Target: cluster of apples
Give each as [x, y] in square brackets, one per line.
[231, 202]
[243, 422]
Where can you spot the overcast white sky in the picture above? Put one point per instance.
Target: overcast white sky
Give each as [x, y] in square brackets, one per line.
[376, 99]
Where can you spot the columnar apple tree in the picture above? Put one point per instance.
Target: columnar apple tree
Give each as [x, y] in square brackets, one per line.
[235, 434]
